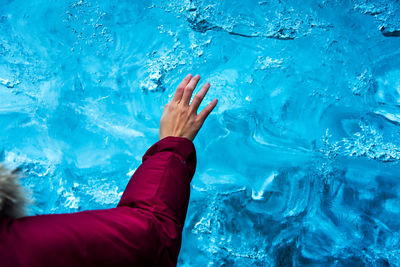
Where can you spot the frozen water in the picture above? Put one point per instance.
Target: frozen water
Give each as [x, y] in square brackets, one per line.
[299, 163]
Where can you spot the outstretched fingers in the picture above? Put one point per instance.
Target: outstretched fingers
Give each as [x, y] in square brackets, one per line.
[198, 98]
[207, 110]
[181, 87]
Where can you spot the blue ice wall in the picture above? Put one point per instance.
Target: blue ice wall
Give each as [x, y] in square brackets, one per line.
[299, 163]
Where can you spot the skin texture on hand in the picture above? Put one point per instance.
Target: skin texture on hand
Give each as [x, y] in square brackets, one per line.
[180, 118]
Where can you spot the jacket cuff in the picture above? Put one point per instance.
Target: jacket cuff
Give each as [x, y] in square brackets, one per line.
[180, 146]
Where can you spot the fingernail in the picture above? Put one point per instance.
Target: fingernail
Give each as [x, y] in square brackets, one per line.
[198, 76]
[190, 75]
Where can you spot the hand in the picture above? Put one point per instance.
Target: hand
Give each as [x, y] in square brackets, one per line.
[180, 118]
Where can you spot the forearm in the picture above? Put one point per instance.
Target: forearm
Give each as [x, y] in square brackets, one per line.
[162, 183]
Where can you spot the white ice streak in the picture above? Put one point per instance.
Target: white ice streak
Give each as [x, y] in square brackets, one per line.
[259, 194]
[95, 116]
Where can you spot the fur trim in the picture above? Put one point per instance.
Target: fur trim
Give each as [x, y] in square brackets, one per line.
[12, 199]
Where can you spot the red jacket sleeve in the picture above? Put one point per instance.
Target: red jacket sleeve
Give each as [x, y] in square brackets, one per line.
[143, 230]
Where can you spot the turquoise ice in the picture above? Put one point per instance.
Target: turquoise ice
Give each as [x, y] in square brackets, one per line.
[298, 165]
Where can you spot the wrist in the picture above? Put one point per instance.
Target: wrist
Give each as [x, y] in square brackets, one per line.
[175, 136]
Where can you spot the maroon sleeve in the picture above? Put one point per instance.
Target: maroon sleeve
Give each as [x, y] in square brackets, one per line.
[144, 230]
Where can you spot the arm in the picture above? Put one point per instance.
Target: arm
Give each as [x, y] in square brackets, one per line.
[144, 230]
[171, 164]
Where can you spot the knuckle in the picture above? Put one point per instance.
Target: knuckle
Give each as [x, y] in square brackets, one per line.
[198, 120]
[193, 119]
[182, 110]
[197, 98]
[171, 106]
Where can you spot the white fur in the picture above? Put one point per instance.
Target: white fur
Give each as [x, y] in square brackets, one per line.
[12, 200]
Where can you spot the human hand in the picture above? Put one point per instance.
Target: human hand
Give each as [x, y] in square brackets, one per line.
[180, 118]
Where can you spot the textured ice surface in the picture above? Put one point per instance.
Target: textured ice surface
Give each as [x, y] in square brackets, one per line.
[298, 165]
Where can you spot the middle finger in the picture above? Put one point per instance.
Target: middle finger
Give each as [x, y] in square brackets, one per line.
[187, 94]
